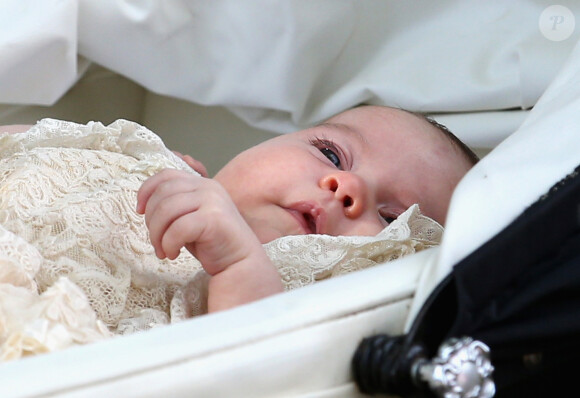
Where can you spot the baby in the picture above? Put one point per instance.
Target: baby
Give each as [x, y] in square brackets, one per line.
[75, 262]
[351, 175]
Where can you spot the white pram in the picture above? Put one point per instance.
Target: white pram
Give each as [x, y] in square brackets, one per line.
[280, 66]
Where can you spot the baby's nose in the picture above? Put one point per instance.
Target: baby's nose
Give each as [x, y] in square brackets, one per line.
[350, 190]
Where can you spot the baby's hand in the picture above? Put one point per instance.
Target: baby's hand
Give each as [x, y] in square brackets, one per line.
[185, 210]
[193, 163]
[182, 209]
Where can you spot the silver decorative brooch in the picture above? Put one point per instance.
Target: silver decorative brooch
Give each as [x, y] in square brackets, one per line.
[461, 369]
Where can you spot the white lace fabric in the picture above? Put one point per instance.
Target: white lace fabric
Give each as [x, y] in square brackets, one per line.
[76, 265]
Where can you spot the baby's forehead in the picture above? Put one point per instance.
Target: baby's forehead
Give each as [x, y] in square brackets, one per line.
[384, 114]
[409, 132]
[386, 122]
[376, 109]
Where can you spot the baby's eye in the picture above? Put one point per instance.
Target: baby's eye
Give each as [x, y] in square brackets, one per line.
[388, 217]
[329, 149]
[332, 156]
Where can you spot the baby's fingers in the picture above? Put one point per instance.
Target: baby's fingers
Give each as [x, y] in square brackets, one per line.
[151, 185]
[161, 214]
[179, 233]
[193, 163]
[147, 189]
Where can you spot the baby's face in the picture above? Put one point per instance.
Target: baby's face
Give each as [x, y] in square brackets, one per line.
[349, 176]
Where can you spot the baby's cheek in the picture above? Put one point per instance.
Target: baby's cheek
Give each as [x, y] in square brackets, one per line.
[266, 233]
[362, 228]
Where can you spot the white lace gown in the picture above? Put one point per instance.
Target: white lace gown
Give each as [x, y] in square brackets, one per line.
[76, 265]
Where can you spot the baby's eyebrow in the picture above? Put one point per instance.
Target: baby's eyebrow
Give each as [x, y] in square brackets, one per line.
[345, 128]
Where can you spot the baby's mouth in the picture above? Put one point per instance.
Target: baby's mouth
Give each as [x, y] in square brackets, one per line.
[310, 217]
[310, 222]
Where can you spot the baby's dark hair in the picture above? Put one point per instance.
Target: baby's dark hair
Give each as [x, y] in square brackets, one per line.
[471, 157]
